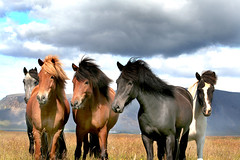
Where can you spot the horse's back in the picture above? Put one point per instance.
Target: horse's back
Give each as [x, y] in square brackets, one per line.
[185, 103]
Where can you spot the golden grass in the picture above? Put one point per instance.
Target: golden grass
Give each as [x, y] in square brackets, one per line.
[14, 146]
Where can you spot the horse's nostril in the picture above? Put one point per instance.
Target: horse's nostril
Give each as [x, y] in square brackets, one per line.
[74, 104]
[116, 108]
[38, 98]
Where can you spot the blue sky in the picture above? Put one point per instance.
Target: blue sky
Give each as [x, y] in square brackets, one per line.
[176, 38]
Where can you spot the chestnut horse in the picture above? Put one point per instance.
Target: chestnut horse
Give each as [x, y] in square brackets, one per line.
[30, 81]
[91, 103]
[48, 110]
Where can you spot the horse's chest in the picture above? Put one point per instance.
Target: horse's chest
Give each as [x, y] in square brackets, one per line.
[49, 120]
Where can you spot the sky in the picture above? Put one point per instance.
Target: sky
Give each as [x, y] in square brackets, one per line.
[177, 38]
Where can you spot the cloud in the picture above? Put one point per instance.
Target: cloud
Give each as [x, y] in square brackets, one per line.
[131, 28]
[5, 123]
[23, 5]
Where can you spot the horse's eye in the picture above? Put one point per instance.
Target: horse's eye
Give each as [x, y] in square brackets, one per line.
[36, 83]
[24, 81]
[130, 83]
[86, 82]
[52, 77]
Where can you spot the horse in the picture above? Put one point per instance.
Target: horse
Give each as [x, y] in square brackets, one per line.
[165, 111]
[48, 110]
[202, 93]
[91, 106]
[30, 80]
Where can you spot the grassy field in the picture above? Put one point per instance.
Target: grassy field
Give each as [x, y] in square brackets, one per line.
[14, 146]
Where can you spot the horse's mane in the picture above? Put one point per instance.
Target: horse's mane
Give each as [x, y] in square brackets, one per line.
[89, 70]
[139, 72]
[209, 77]
[53, 66]
[34, 74]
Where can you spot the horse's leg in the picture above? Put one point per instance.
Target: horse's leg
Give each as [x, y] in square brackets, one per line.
[54, 139]
[80, 137]
[183, 146]
[200, 143]
[37, 139]
[44, 145]
[161, 142]
[102, 135]
[94, 145]
[62, 149]
[148, 144]
[85, 146]
[170, 146]
[30, 135]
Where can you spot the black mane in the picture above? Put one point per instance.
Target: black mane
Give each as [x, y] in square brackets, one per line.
[209, 77]
[34, 74]
[139, 72]
[89, 70]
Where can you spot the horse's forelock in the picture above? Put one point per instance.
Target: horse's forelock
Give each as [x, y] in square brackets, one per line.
[53, 66]
[34, 74]
[209, 77]
[89, 70]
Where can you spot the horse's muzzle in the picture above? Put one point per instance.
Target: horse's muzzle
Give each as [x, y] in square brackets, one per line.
[42, 99]
[76, 104]
[117, 109]
[206, 112]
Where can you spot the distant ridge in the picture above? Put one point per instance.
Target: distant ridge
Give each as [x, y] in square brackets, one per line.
[224, 120]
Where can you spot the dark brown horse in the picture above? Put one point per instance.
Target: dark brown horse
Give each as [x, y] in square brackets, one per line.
[91, 103]
[48, 110]
[165, 111]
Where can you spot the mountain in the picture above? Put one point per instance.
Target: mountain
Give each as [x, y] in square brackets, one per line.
[223, 121]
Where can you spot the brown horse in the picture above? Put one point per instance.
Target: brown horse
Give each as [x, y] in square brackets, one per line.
[48, 110]
[91, 103]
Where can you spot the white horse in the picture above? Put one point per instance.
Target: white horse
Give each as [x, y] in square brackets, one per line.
[30, 81]
[202, 93]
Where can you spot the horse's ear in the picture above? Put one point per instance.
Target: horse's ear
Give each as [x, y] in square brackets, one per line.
[25, 70]
[40, 62]
[120, 66]
[53, 61]
[198, 76]
[74, 67]
[214, 74]
[35, 69]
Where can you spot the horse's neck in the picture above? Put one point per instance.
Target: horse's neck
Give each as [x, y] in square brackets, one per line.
[95, 100]
[193, 90]
[60, 93]
[197, 108]
[146, 101]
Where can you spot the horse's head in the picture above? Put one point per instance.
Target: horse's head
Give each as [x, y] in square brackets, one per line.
[205, 91]
[51, 77]
[30, 81]
[88, 82]
[82, 89]
[126, 90]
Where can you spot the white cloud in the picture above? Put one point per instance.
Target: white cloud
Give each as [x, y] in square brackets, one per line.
[38, 46]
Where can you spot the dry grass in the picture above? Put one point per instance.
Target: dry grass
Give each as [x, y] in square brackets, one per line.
[14, 146]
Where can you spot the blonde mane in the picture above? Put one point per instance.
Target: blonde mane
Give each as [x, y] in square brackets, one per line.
[53, 66]
[193, 89]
